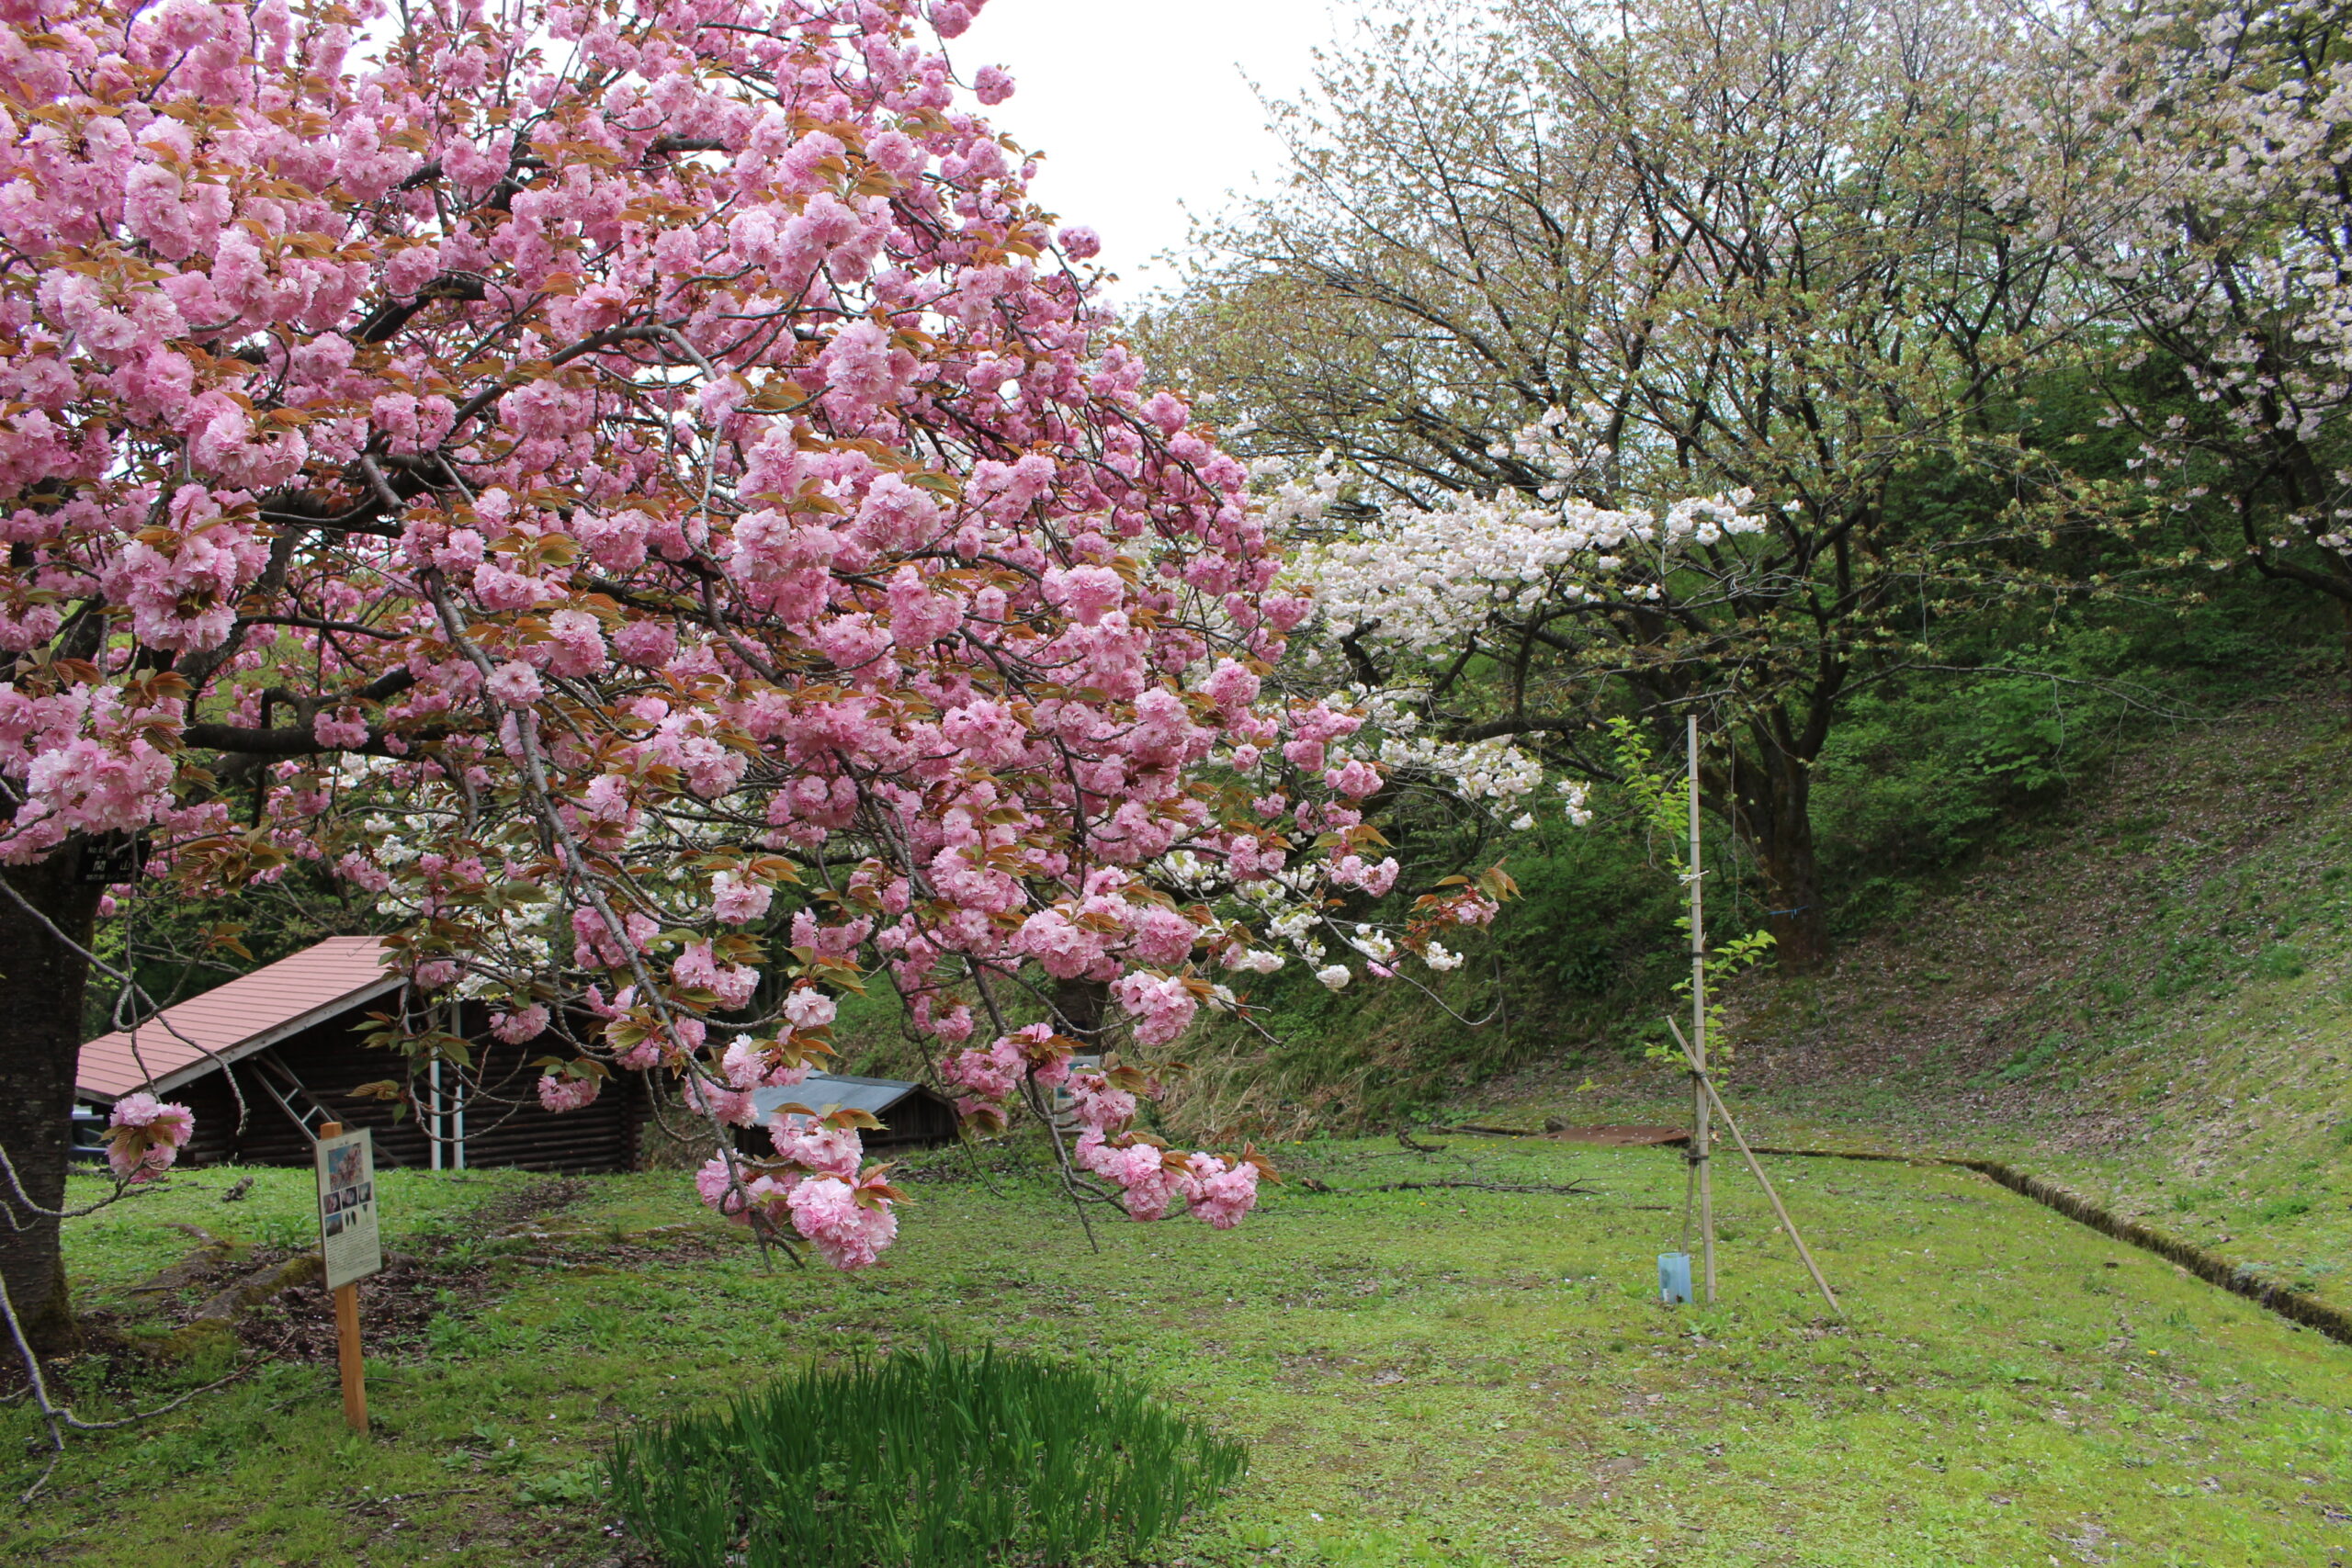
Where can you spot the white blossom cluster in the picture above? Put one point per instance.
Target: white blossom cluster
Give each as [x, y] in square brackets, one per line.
[1285, 500]
[1290, 914]
[2233, 233]
[1419, 578]
[1492, 769]
[1414, 580]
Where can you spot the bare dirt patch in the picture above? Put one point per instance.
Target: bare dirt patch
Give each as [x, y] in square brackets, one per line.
[271, 1301]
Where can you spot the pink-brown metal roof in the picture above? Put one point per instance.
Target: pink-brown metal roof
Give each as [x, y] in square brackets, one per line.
[246, 1015]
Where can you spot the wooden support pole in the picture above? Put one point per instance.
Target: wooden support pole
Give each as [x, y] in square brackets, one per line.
[1707, 1086]
[346, 1336]
[1701, 1133]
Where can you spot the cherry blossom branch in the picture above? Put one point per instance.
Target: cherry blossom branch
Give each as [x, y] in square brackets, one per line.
[578, 877]
[1071, 1184]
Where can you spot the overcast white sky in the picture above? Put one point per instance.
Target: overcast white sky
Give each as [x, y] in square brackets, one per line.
[1143, 107]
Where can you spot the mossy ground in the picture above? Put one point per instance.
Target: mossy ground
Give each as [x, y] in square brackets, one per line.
[1436, 1376]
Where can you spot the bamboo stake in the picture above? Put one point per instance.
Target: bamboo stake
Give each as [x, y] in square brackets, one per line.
[1707, 1087]
[1702, 1134]
[346, 1335]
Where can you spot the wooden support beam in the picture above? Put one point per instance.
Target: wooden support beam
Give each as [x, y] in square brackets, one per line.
[1707, 1086]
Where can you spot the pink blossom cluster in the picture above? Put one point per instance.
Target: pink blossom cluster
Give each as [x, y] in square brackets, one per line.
[560, 1094]
[523, 1024]
[145, 1135]
[1152, 1178]
[750, 1064]
[724, 1106]
[90, 758]
[992, 1077]
[1097, 1106]
[816, 1186]
[1149, 1178]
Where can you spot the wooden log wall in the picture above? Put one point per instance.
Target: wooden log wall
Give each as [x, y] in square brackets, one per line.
[331, 1062]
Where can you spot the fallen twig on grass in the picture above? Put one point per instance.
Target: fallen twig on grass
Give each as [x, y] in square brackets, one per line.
[530, 1231]
[1615, 1135]
[1573, 1189]
[1491, 1132]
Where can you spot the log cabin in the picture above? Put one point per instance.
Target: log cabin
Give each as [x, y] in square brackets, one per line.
[265, 1059]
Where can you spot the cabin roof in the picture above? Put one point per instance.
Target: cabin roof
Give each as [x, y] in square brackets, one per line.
[825, 1091]
[248, 1014]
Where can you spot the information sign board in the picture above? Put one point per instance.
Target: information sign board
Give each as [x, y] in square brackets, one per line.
[347, 1207]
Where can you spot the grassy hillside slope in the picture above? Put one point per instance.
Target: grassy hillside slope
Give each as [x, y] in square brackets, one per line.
[2146, 994]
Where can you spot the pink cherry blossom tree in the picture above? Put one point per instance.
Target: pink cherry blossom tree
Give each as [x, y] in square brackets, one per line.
[639, 490]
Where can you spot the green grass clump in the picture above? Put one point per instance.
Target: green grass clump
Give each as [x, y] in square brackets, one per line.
[934, 1457]
[2279, 961]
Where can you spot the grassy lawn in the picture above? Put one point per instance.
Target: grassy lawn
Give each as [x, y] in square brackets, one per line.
[1434, 1376]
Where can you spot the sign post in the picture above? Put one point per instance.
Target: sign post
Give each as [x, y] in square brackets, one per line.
[350, 1247]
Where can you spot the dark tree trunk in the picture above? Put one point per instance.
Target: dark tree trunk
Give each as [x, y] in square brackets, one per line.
[1078, 1009]
[1792, 883]
[1772, 811]
[42, 981]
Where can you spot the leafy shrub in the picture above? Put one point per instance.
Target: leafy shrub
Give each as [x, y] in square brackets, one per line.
[1927, 768]
[2282, 1208]
[930, 1458]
